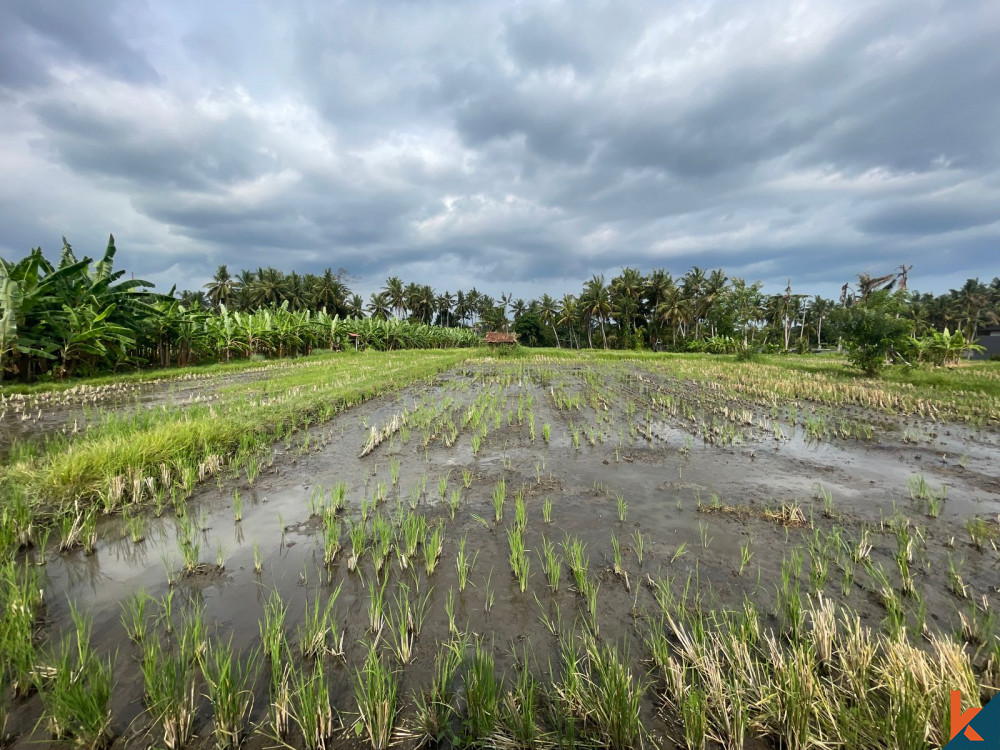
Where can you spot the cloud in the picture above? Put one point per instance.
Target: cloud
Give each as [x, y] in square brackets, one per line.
[511, 147]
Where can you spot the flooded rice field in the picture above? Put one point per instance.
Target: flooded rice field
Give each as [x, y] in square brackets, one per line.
[531, 553]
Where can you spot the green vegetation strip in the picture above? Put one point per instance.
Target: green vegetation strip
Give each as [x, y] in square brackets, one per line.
[81, 473]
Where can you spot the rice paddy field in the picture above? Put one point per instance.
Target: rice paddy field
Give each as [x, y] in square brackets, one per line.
[444, 548]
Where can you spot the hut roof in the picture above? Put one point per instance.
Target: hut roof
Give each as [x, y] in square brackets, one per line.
[500, 337]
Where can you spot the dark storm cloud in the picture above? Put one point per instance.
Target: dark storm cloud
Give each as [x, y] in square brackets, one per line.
[35, 34]
[507, 146]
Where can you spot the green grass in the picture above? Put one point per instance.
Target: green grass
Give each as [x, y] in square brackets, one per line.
[83, 471]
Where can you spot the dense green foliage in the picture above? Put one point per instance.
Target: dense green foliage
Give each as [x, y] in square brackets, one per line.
[80, 317]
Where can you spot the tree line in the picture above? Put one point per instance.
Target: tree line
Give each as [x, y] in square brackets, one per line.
[632, 309]
[80, 316]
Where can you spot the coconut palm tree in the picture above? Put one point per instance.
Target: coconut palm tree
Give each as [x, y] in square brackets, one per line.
[396, 294]
[596, 303]
[548, 310]
[222, 287]
[379, 306]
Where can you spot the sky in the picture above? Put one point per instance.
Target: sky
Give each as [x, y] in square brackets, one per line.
[516, 147]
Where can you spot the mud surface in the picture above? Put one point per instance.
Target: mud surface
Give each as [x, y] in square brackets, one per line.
[702, 474]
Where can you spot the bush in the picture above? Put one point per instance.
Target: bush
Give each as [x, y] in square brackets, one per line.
[872, 335]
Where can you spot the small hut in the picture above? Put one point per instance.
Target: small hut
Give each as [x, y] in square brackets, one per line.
[501, 339]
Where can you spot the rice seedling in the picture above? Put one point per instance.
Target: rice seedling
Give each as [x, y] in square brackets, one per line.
[482, 695]
[252, 468]
[980, 532]
[547, 510]
[546, 432]
[338, 498]
[489, 596]
[464, 563]
[499, 497]
[134, 617]
[194, 632]
[227, 680]
[617, 553]
[574, 552]
[433, 547]
[169, 684]
[822, 493]
[614, 697]
[551, 563]
[455, 502]
[622, 508]
[435, 706]
[136, 526]
[443, 486]
[377, 607]
[957, 586]
[745, 556]
[467, 477]
[519, 562]
[359, 538]
[376, 688]
[979, 626]
[703, 534]
[638, 544]
[789, 598]
[188, 543]
[394, 466]
[237, 506]
[311, 709]
[449, 610]
[318, 633]
[520, 511]
[75, 688]
[679, 552]
[413, 530]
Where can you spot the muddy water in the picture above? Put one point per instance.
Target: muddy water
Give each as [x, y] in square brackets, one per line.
[666, 466]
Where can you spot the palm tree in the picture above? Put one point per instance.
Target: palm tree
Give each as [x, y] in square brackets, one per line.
[820, 309]
[627, 290]
[692, 286]
[548, 310]
[445, 304]
[971, 300]
[569, 313]
[269, 288]
[245, 281]
[596, 303]
[673, 310]
[396, 295]
[295, 293]
[355, 306]
[221, 288]
[713, 290]
[421, 301]
[379, 306]
[330, 292]
[518, 308]
[657, 286]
